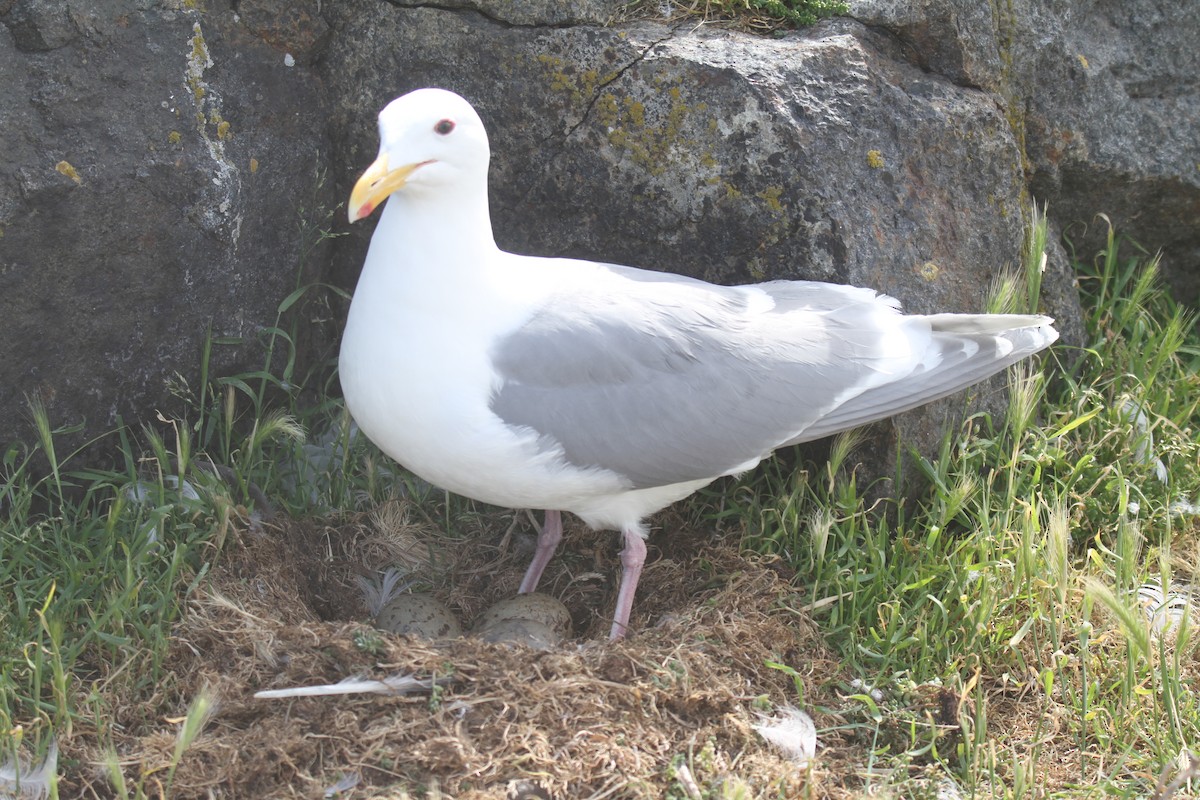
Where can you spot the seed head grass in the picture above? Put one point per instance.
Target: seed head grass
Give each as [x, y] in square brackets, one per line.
[1013, 582]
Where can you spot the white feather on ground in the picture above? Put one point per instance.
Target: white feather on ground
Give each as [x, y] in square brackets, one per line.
[792, 732]
[21, 780]
[393, 685]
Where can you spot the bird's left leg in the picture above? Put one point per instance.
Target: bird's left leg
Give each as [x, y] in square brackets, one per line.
[548, 540]
[632, 559]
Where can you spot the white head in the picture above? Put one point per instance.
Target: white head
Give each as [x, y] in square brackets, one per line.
[430, 139]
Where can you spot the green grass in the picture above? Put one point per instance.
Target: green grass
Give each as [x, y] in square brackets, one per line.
[995, 618]
[1012, 583]
[756, 15]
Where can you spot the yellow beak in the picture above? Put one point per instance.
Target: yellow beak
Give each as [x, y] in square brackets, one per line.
[376, 184]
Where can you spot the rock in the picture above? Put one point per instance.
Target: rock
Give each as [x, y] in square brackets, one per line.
[38, 25]
[158, 168]
[1104, 97]
[957, 39]
[295, 28]
[1113, 126]
[532, 13]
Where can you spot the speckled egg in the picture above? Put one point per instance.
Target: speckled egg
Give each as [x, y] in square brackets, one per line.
[531, 633]
[419, 614]
[534, 606]
[535, 620]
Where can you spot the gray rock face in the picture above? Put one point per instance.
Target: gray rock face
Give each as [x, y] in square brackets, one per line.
[1114, 126]
[38, 25]
[957, 39]
[154, 164]
[531, 13]
[160, 159]
[1106, 96]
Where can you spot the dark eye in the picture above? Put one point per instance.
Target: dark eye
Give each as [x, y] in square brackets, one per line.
[444, 127]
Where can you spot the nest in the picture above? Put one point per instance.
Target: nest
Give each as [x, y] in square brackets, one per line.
[591, 719]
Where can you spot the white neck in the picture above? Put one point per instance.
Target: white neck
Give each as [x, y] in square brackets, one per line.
[438, 230]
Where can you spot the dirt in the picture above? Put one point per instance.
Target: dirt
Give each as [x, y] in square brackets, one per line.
[588, 719]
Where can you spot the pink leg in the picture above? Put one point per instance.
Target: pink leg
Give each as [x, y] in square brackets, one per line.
[548, 540]
[632, 559]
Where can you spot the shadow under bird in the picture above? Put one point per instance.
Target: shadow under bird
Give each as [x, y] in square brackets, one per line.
[603, 390]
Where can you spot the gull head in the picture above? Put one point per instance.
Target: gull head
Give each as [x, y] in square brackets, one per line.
[430, 140]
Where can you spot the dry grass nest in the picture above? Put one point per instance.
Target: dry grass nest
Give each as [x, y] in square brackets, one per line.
[589, 719]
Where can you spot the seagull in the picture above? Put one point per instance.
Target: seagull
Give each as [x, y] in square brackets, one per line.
[606, 391]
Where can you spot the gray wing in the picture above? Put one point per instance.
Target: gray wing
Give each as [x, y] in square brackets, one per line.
[968, 348]
[666, 381]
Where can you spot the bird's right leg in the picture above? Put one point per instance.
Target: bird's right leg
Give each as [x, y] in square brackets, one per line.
[548, 540]
[633, 556]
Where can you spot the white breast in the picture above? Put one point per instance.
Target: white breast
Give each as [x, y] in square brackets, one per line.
[417, 378]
